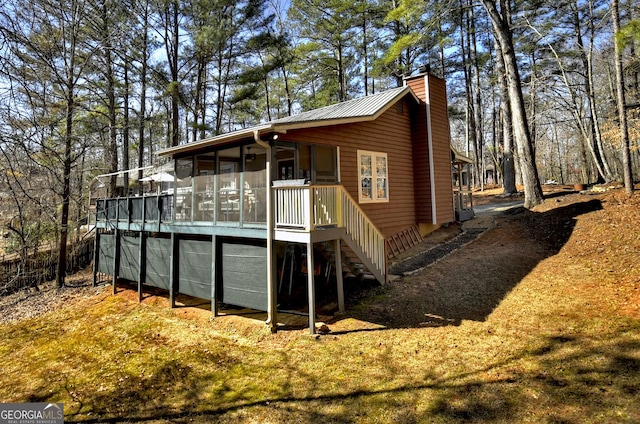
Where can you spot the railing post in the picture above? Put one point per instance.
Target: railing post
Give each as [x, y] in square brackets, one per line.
[310, 206]
[214, 199]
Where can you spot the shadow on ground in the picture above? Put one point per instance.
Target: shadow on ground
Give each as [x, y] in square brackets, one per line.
[469, 284]
[570, 379]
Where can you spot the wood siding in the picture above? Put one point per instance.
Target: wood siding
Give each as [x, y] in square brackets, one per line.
[441, 145]
[421, 162]
[391, 134]
[441, 150]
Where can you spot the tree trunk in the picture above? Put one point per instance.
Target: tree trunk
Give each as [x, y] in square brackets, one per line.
[596, 147]
[622, 112]
[66, 182]
[111, 104]
[468, 83]
[508, 165]
[172, 45]
[143, 93]
[502, 31]
[198, 104]
[479, 139]
[125, 129]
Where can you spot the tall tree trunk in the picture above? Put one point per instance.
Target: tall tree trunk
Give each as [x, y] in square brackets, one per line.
[203, 107]
[125, 125]
[172, 45]
[175, 118]
[622, 112]
[66, 179]
[479, 139]
[200, 83]
[533, 99]
[365, 53]
[468, 83]
[595, 147]
[508, 165]
[143, 92]
[342, 95]
[502, 31]
[111, 102]
[287, 91]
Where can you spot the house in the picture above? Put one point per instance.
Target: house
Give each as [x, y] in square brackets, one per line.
[332, 191]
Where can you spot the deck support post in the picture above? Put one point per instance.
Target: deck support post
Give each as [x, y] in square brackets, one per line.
[96, 256]
[142, 259]
[116, 260]
[339, 281]
[172, 272]
[214, 299]
[312, 291]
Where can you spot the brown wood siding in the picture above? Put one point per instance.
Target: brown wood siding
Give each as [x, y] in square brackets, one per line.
[391, 134]
[441, 145]
[418, 87]
[441, 150]
[422, 190]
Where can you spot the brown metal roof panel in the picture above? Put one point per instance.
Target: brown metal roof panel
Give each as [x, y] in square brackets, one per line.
[363, 107]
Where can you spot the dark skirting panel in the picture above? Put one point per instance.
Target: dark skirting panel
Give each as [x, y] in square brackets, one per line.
[106, 253]
[194, 268]
[244, 275]
[158, 262]
[130, 258]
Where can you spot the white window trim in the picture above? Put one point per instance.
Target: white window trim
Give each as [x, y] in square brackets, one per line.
[374, 195]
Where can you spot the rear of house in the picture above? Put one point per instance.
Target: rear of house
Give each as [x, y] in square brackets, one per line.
[282, 211]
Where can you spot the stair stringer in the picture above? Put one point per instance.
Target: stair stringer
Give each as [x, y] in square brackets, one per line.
[368, 263]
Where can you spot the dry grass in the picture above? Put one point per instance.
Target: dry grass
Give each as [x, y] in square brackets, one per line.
[536, 321]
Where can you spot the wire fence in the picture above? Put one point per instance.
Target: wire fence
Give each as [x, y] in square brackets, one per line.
[18, 273]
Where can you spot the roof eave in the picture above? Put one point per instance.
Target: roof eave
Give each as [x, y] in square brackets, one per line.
[284, 127]
[212, 141]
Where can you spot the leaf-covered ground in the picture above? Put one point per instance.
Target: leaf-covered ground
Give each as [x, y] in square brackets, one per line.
[537, 320]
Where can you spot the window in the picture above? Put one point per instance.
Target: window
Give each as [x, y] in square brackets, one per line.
[373, 175]
[325, 165]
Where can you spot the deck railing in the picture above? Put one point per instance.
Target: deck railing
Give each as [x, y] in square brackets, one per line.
[330, 206]
[296, 207]
[463, 199]
[158, 208]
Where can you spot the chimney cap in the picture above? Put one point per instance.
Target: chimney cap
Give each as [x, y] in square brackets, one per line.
[424, 69]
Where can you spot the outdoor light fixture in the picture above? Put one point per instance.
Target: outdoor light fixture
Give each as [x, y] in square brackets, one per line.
[249, 156]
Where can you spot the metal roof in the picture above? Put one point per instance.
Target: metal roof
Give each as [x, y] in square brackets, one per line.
[356, 110]
[363, 107]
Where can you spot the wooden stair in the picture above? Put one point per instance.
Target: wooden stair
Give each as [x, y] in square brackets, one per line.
[352, 266]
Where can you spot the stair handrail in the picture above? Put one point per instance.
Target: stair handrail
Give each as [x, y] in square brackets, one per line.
[320, 206]
[363, 231]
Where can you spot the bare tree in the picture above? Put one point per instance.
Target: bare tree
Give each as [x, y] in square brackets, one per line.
[51, 63]
[622, 111]
[503, 32]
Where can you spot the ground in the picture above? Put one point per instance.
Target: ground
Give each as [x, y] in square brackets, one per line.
[476, 278]
[535, 320]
